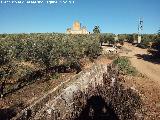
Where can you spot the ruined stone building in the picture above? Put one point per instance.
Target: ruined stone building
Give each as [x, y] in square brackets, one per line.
[77, 29]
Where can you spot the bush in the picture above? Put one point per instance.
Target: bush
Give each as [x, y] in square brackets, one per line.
[156, 44]
[124, 66]
[130, 38]
[121, 41]
[155, 51]
[46, 51]
[144, 44]
[107, 39]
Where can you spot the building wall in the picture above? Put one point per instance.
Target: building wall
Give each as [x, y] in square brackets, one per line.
[77, 29]
[76, 26]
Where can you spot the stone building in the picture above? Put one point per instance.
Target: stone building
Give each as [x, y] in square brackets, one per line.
[77, 29]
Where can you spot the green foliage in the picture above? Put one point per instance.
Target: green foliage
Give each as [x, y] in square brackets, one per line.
[107, 39]
[3, 36]
[4, 58]
[156, 44]
[124, 66]
[96, 30]
[121, 41]
[48, 50]
[146, 40]
[130, 38]
[144, 44]
[24, 57]
[93, 52]
[122, 36]
[155, 51]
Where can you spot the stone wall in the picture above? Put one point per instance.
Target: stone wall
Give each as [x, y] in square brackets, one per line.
[96, 93]
[58, 102]
[63, 103]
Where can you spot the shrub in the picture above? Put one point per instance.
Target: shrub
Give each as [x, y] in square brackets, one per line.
[104, 38]
[124, 66]
[155, 51]
[121, 41]
[156, 44]
[144, 44]
[45, 50]
[130, 38]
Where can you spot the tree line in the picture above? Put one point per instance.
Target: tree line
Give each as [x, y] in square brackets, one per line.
[24, 56]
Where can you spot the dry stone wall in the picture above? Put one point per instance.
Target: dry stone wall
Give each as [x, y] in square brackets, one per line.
[94, 94]
[59, 101]
[63, 103]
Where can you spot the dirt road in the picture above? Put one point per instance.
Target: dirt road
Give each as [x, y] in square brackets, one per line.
[138, 60]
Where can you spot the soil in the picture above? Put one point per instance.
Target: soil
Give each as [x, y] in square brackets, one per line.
[147, 84]
[149, 92]
[143, 62]
[28, 94]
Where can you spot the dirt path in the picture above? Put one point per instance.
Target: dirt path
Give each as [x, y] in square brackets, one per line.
[146, 67]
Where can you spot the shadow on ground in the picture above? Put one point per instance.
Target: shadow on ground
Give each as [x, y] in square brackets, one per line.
[10, 112]
[112, 101]
[7, 114]
[149, 58]
[97, 109]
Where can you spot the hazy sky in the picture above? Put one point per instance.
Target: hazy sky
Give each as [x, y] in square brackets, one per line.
[113, 16]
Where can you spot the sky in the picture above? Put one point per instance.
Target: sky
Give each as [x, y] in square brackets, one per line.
[112, 16]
